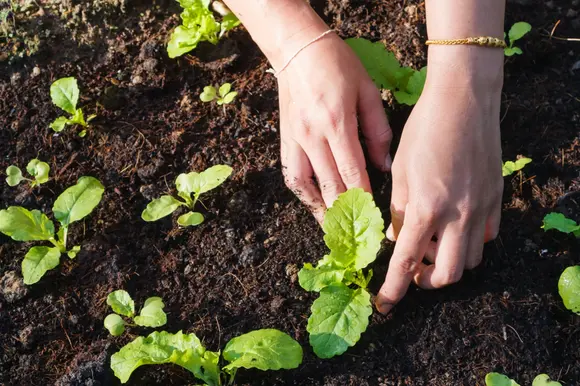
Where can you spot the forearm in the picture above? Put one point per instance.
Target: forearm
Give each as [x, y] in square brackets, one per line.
[454, 19]
[279, 27]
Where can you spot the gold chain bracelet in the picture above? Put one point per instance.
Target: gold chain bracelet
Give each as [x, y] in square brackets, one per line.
[485, 41]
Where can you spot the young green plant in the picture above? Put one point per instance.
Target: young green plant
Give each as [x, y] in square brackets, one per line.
[198, 24]
[515, 33]
[38, 170]
[353, 229]
[561, 223]
[497, 379]
[74, 204]
[224, 96]
[385, 70]
[187, 184]
[510, 167]
[267, 349]
[65, 94]
[151, 315]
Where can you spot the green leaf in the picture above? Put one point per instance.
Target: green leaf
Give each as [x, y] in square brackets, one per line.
[518, 31]
[121, 302]
[203, 182]
[158, 348]
[152, 314]
[414, 88]
[339, 316]
[267, 349]
[225, 89]
[59, 124]
[37, 261]
[544, 380]
[160, 207]
[39, 170]
[510, 167]
[78, 118]
[82, 133]
[115, 324]
[561, 223]
[497, 379]
[14, 175]
[24, 225]
[65, 94]
[569, 288]
[190, 219]
[229, 22]
[511, 51]
[78, 201]
[315, 279]
[354, 229]
[74, 251]
[209, 94]
[381, 64]
[229, 98]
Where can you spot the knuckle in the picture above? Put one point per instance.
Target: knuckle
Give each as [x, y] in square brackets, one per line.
[382, 136]
[329, 187]
[406, 264]
[350, 173]
[448, 277]
[294, 183]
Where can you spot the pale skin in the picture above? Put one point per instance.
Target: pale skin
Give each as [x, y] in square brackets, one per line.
[447, 181]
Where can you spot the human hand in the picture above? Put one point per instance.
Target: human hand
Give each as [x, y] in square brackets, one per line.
[447, 180]
[322, 93]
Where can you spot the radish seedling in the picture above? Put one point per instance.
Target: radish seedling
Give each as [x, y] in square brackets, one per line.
[569, 288]
[151, 315]
[561, 223]
[74, 204]
[38, 171]
[497, 379]
[267, 349]
[223, 96]
[510, 167]
[353, 229]
[65, 94]
[187, 184]
[198, 24]
[517, 32]
[385, 70]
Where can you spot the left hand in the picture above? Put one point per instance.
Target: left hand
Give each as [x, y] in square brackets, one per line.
[447, 180]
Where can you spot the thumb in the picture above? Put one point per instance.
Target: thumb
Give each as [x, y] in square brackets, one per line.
[375, 126]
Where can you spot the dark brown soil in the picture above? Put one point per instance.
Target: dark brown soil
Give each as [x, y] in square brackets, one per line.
[237, 271]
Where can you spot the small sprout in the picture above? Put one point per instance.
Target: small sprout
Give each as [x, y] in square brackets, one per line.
[510, 167]
[151, 315]
[65, 94]
[74, 251]
[561, 223]
[545, 380]
[497, 379]
[223, 96]
[517, 32]
[387, 73]
[198, 24]
[569, 288]
[187, 184]
[38, 170]
[74, 204]
[115, 324]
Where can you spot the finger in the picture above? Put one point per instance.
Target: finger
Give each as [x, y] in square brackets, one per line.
[475, 246]
[493, 223]
[299, 178]
[349, 156]
[324, 165]
[399, 200]
[449, 260]
[409, 251]
[431, 254]
[375, 126]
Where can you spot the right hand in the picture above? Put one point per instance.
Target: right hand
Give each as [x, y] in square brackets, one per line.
[324, 93]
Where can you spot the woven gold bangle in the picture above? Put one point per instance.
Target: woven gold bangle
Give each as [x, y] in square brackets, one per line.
[485, 41]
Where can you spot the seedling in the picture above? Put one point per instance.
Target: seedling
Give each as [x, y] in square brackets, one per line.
[187, 184]
[74, 204]
[569, 288]
[223, 96]
[38, 171]
[151, 314]
[497, 379]
[261, 349]
[198, 24]
[65, 94]
[510, 167]
[353, 229]
[517, 32]
[561, 223]
[385, 70]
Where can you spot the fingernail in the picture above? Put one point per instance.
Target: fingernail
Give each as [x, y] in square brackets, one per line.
[391, 233]
[384, 308]
[388, 162]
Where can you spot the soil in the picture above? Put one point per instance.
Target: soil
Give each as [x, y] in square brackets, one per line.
[237, 271]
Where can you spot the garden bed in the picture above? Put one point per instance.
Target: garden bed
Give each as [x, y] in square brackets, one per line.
[238, 271]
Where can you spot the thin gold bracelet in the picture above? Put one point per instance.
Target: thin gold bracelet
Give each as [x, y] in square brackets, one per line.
[485, 41]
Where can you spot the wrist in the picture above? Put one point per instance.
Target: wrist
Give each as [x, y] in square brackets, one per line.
[461, 66]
